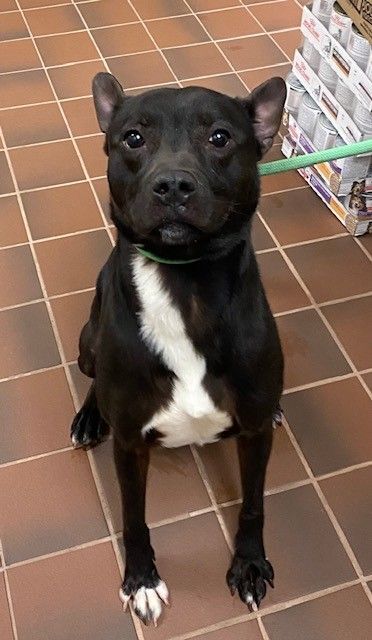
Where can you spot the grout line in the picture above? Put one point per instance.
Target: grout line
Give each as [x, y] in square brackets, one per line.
[231, 622]
[264, 633]
[37, 456]
[60, 552]
[363, 248]
[8, 593]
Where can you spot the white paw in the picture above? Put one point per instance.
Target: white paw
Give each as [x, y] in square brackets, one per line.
[147, 602]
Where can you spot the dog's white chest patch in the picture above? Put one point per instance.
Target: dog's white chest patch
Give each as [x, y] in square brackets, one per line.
[191, 416]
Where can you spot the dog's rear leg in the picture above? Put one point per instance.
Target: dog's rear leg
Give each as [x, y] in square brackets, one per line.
[142, 584]
[88, 427]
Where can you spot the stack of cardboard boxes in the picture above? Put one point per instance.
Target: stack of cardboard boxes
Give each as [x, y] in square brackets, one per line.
[329, 104]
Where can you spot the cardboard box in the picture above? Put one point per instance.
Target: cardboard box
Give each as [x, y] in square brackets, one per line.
[360, 11]
[355, 224]
[337, 57]
[341, 120]
[332, 173]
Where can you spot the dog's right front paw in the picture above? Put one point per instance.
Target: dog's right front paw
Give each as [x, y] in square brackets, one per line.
[88, 428]
[147, 595]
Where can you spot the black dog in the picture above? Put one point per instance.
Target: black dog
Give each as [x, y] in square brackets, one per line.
[181, 343]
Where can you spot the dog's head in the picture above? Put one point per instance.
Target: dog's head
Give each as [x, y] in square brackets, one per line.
[182, 163]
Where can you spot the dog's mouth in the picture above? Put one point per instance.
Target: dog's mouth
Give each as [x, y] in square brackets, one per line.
[176, 233]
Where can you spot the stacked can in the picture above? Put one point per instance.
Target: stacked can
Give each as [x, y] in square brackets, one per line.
[345, 96]
[363, 120]
[308, 115]
[295, 93]
[340, 25]
[327, 75]
[325, 134]
[322, 9]
[359, 48]
[354, 166]
[311, 55]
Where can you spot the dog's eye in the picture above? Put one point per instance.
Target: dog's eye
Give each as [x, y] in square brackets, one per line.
[220, 138]
[133, 139]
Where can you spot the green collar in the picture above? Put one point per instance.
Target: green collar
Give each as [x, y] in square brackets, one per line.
[155, 258]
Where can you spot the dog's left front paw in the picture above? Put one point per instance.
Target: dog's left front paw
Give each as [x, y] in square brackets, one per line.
[147, 597]
[249, 577]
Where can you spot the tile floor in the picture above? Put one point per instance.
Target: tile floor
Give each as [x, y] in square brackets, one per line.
[60, 555]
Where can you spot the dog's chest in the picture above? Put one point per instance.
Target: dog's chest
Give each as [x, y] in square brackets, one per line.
[190, 416]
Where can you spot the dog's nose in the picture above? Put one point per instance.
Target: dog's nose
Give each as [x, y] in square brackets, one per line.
[174, 187]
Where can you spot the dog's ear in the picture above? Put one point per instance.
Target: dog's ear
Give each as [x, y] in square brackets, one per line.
[265, 106]
[108, 94]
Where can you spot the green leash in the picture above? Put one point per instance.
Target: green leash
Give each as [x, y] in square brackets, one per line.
[279, 166]
[308, 159]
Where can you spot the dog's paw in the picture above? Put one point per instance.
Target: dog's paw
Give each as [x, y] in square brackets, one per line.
[88, 428]
[147, 600]
[278, 416]
[249, 578]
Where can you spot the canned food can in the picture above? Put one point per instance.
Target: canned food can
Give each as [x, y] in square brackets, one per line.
[345, 96]
[308, 115]
[358, 48]
[311, 55]
[369, 67]
[340, 25]
[363, 119]
[295, 92]
[322, 10]
[354, 166]
[327, 75]
[325, 134]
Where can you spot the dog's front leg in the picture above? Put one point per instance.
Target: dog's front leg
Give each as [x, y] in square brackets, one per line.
[250, 570]
[142, 583]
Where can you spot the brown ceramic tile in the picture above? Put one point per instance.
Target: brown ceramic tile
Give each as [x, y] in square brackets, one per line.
[102, 190]
[13, 26]
[349, 320]
[342, 269]
[6, 632]
[350, 498]
[208, 5]
[40, 166]
[366, 241]
[71, 313]
[283, 290]
[310, 351]
[247, 53]
[55, 500]
[32, 424]
[280, 181]
[260, 236]
[99, 14]
[76, 596]
[75, 80]
[18, 55]
[255, 78]
[159, 8]
[33, 124]
[24, 88]
[61, 210]
[72, 263]
[238, 632]
[301, 543]
[228, 83]
[174, 485]
[18, 277]
[140, 69]
[93, 155]
[190, 555]
[54, 20]
[298, 215]
[175, 32]
[221, 463]
[198, 60]
[27, 4]
[81, 382]
[12, 230]
[342, 615]
[129, 38]
[230, 23]
[81, 116]
[331, 424]
[6, 182]
[62, 49]
[8, 5]
[26, 340]
[284, 15]
[288, 41]
[368, 379]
